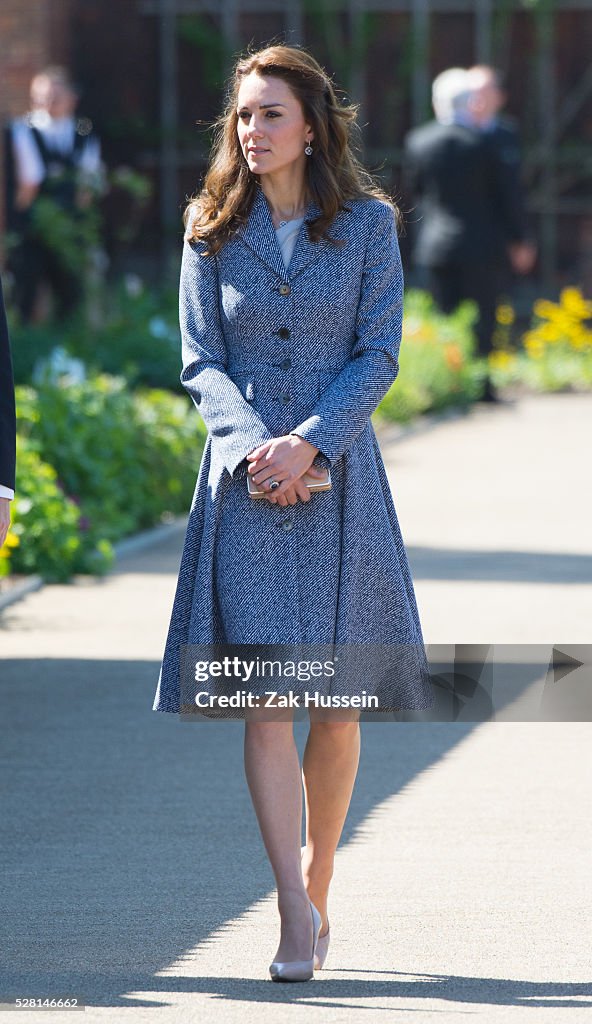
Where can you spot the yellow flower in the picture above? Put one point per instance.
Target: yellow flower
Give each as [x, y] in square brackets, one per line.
[533, 345]
[549, 332]
[581, 338]
[545, 309]
[504, 314]
[501, 360]
[561, 323]
[573, 301]
[12, 541]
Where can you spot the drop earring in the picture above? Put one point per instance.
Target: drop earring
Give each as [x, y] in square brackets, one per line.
[308, 149]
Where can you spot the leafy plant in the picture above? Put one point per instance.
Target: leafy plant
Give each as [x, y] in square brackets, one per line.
[95, 463]
[437, 368]
[138, 338]
[52, 540]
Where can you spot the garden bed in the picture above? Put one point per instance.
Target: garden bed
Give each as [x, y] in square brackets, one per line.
[101, 456]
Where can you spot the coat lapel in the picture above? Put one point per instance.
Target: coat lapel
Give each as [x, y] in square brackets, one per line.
[259, 234]
[305, 251]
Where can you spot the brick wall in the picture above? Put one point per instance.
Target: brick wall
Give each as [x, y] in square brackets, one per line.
[112, 49]
[33, 33]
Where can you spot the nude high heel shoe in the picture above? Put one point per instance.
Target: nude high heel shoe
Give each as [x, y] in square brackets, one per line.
[298, 970]
[322, 947]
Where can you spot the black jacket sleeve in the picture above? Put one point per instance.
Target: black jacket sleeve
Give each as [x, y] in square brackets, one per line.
[7, 409]
[511, 201]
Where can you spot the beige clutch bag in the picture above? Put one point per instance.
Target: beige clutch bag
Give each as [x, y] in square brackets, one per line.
[312, 482]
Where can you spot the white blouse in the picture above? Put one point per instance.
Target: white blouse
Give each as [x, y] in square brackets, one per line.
[286, 236]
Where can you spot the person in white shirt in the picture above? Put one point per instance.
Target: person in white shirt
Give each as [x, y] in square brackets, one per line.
[55, 155]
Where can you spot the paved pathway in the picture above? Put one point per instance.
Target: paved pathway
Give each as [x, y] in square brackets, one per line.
[495, 510]
[133, 871]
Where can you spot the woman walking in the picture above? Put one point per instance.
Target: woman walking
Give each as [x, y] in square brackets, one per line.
[291, 310]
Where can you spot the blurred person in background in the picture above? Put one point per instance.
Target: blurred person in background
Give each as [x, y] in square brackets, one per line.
[486, 101]
[7, 426]
[52, 155]
[467, 224]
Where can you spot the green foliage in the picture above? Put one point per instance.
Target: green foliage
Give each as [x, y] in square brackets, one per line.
[73, 237]
[97, 462]
[437, 368]
[51, 532]
[138, 189]
[32, 344]
[560, 368]
[138, 186]
[139, 338]
[99, 459]
[209, 41]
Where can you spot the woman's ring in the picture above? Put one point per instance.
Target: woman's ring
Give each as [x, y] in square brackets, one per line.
[273, 485]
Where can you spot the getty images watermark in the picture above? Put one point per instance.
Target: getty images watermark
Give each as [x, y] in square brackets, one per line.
[237, 670]
[387, 682]
[231, 680]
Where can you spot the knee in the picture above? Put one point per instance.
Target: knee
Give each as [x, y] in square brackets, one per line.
[335, 732]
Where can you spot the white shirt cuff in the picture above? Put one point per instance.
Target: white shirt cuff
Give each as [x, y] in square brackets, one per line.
[6, 492]
[30, 169]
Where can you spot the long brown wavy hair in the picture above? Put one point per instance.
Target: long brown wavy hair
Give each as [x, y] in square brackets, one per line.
[334, 174]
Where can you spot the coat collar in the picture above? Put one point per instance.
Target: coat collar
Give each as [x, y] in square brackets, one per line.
[259, 234]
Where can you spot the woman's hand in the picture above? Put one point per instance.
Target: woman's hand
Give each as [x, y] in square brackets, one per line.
[284, 459]
[5, 519]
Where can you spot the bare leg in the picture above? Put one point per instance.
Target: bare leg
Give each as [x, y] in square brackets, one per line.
[272, 769]
[329, 769]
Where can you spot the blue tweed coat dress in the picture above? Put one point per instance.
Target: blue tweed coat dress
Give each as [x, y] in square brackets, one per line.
[310, 350]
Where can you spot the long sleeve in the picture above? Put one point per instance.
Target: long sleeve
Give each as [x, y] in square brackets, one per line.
[233, 424]
[344, 409]
[510, 198]
[28, 162]
[7, 409]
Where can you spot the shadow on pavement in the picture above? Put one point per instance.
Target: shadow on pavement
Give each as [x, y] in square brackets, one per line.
[510, 566]
[129, 838]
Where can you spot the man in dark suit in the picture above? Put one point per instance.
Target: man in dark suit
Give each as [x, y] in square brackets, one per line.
[7, 426]
[465, 227]
[487, 98]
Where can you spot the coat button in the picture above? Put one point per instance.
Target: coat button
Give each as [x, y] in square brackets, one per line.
[284, 333]
[287, 525]
[285, 399]
[284, 289]
[285, 364]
